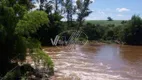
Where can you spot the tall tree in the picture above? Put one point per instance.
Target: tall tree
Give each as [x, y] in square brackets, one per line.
[45, 33]
[55, 4]
[16, 26]
[70, 11]
[83, 10]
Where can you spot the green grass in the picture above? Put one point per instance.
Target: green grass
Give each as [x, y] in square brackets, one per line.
[104, 22]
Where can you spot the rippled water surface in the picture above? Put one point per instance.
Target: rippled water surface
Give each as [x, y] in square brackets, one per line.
[97, 62]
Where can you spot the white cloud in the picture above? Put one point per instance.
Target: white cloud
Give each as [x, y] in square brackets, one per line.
[119, 15]
[122, 9]
[97, 15]
[101, 12]
[90, 0]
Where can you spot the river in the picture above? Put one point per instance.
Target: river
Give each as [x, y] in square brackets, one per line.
[97, 62]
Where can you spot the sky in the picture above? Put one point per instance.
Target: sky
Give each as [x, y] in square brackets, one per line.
[116, 9]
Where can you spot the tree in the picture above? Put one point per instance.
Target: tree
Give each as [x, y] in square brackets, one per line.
[51, 4]
[16, 26]
[70, 11]
[94, 32]
[83, 10]
[133, 30]
[109, 19]
[55, 25]
[123, 22]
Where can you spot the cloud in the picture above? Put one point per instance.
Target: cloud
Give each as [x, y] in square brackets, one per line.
[101, 12]
[119, 15]
[97, 15]
[90, 0]
[122, 9]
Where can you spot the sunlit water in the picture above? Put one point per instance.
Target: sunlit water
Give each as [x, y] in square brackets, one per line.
[97, 62]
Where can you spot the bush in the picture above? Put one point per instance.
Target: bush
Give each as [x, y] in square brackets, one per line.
[94, 32]
[133, 30]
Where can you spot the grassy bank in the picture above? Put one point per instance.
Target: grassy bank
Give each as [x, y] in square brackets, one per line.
[105, 22]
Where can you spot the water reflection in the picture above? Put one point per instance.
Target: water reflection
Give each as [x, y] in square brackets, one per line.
[97, 62]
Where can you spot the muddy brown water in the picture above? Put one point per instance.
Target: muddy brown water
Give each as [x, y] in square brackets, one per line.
[97, 62]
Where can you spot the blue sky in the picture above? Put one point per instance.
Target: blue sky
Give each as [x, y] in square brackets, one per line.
[117, 9]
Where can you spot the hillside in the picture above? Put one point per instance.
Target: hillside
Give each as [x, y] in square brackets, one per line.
[104, 22]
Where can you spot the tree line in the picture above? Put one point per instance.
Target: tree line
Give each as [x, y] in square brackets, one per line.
[23, 31]
[128, 32]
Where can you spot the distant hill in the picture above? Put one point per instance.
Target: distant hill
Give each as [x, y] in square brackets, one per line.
[104, 22]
